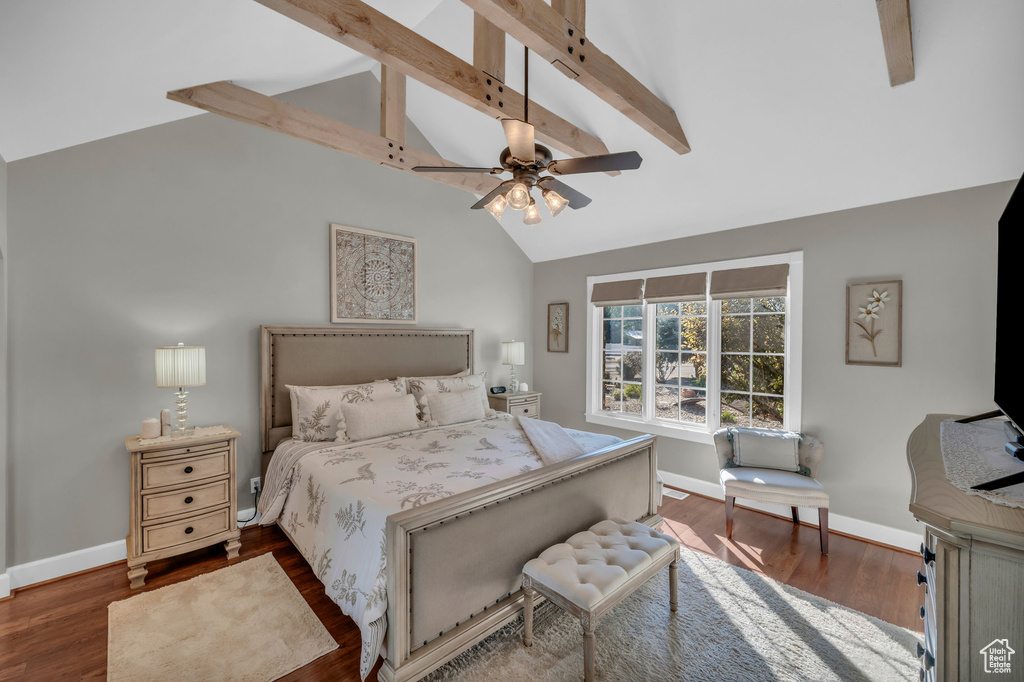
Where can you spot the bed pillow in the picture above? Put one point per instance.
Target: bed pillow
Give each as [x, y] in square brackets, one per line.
[454, 407]
[316, 414]
[381, 418]
[765, 448]
[422, 387]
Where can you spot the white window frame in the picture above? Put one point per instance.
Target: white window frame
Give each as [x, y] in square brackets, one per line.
[647, 422]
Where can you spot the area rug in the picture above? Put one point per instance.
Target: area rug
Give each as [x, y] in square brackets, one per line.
[732, 624]
[244, 622]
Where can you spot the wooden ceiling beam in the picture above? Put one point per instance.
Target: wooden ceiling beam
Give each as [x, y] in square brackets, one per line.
[574, 11]
[392, 104]
[894, 18]
[537, 25]
[488, 48]
[242, 104]
[364, 29]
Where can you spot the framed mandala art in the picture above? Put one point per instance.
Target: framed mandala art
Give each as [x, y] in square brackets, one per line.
[373, 276]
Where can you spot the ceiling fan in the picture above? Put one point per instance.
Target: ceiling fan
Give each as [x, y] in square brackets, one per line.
[526, 160]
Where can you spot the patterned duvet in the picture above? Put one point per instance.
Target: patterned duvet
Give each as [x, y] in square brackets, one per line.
[333, 499]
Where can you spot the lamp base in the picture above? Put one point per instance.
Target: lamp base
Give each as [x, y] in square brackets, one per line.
[513, 383]
[181, 409]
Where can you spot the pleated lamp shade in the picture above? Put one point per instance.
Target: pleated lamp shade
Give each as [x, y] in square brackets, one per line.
[513, 352]
[180, 366]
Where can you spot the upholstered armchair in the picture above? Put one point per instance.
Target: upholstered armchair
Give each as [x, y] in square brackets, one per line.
[774, 486]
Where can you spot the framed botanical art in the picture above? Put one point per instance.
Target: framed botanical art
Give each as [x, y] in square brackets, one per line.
[558, 327]
[373, 276]
[874, 323]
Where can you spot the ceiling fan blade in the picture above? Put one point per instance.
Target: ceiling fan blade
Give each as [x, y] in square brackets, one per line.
[503, 187]
[520, 139]
[576, 199]
[456, 169]
[594, 164]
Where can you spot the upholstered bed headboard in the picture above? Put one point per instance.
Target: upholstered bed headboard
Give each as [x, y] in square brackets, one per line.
[333, 356]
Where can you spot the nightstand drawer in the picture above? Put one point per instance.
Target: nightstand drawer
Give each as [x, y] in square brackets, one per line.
[203, 449]
[184, 470]
[186, 530]
[531, 409]
[188, 500]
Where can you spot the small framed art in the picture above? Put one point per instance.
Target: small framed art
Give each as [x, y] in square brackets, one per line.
[874, 323]
[373, 276]
[558, 327]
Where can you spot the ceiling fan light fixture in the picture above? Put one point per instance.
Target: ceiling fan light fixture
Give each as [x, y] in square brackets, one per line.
[531, 216]
[555, 201]
[497, 206]
[519, 197]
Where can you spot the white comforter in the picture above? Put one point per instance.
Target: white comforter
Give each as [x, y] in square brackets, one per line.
[333, 499]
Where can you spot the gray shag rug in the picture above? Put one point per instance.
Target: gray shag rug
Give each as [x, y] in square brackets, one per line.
[243, 623]
[731, 624]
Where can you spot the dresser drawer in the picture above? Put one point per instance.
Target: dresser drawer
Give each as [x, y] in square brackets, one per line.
[205, 448]
[185, 530]
[193, 499]
[530, 409]
[184, 470]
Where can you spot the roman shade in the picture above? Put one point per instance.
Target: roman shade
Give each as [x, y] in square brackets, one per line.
[759, 282]
[691, 287]
[625, 292]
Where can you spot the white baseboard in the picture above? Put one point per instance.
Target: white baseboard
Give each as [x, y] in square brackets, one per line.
[65, 564]
[246, 514]
[73, 562]
[875, 532]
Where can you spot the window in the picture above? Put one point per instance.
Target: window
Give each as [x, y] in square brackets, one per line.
[684, 351]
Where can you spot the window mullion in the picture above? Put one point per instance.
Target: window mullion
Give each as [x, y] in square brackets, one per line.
[649, 339]
[713, 399]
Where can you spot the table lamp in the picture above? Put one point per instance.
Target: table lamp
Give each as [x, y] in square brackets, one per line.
[513, 353]
[181, 367]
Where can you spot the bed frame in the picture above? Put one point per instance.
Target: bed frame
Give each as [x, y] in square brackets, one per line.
[454, 565]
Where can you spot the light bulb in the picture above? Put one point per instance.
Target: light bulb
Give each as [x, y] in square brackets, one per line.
[531, 216]
[519, 196]
[497, 206]
[555, 201]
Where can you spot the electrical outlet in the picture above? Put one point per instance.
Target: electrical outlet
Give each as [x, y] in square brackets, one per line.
[254, 485]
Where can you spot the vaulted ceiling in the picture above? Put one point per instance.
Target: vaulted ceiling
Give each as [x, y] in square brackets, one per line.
[786, 105]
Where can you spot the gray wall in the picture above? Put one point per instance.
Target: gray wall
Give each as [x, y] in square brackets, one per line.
[3, 366]
[199, 231]
[943, 247]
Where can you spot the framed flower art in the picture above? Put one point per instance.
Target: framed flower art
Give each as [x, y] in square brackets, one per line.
[874, 323]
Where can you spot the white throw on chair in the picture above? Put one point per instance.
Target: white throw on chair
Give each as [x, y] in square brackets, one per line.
[768, 472]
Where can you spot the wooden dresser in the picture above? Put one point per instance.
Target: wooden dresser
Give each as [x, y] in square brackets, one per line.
[183, 497]
[973, 570]
[522, 404]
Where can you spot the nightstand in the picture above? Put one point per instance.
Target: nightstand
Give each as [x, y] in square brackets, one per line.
[183, 496]
[524, 403]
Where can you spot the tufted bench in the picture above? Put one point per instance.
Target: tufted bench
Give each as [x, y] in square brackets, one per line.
[594, 570]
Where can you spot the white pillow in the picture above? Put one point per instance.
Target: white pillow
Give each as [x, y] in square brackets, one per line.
[382, 418]
[765, 448]
[452, 408]
[316, 414]
[421, 387]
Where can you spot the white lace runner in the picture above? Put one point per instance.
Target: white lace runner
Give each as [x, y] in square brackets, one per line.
[199, 432]
[974, 453]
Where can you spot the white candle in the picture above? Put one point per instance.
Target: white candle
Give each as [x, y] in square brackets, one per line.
[151, 428]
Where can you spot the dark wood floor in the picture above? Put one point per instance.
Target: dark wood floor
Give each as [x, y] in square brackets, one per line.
[58, 630]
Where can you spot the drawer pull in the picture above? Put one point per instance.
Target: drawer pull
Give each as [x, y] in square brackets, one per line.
[188, 531]
[188, 500]
[188, 470]
[526, 410]
[922, 578]
[929, 556]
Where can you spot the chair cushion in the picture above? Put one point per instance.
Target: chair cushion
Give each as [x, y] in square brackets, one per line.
[593, 564]
[773, 486]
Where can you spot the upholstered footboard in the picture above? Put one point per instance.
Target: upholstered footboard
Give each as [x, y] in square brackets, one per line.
[455, 565]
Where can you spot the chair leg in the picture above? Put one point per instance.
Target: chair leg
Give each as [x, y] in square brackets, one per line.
[823, 528]
[796, 515]
[730, 502]
[528, 617]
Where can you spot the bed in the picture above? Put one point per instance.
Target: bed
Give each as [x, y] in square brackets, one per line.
[442, 569]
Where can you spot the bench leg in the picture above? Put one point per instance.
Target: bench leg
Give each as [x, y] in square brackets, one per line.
[528, 617]
[730, 502]
[673, 583]
[589, 666]
[796, 515]
[823, 528]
